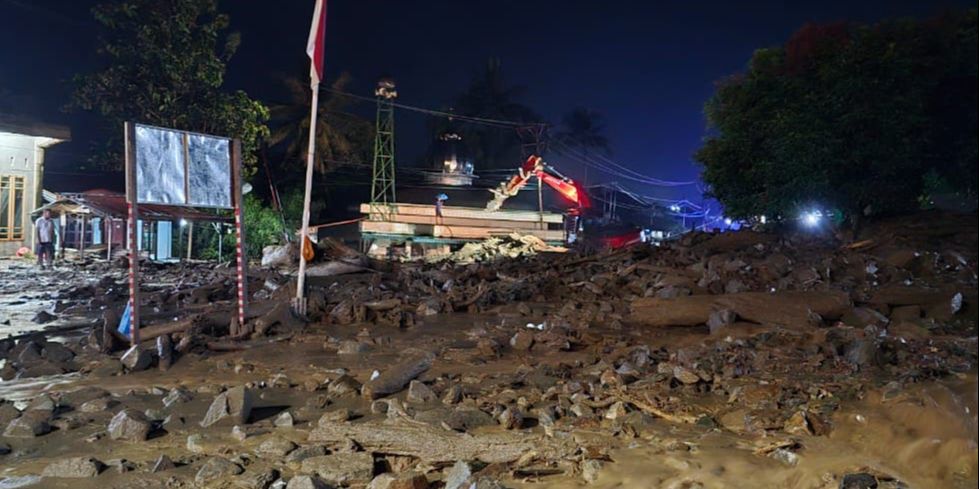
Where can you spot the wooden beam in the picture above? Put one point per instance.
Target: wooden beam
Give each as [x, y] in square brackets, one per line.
[469, 213]
[461, 221]
[456, 232]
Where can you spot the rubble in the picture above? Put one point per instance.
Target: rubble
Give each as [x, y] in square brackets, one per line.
[540, 367]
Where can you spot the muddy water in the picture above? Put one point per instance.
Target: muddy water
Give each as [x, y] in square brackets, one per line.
[924, 435]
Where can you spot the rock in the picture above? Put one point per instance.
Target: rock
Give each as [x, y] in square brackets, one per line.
[718, 320]
[397, 376]
[341, 468]
[232, 406]
[453, 395]
[522, 341]
[239, 433]
[44, 317]
[797, 424]
[302, 453]
[458, 476]
[908, 330]
[276, 447]
[164, 351]
[162, 463]
[216, 468]
[616, 411]
[860, 480]
[27, 426]
[129, 425]
[335, 416]
[7, 413]
[56, 352]
[404, 480]
[511, 419]
[277, 256]
[590, 470]
[284, 420]
[306, 482]
[685, 375]
[98, 405]
[73, 468]
[864, 316]
[195, 443]
[137, 359]
[44, 403]
[420, 393]
[177, 395]
[860, 352]
[343, 385]
[352, 347]
[259, 479]
[4, 449]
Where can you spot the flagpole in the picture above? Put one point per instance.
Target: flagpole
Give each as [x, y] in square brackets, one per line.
[300, 305]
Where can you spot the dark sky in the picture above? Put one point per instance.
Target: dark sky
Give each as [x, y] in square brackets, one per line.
[647, 66]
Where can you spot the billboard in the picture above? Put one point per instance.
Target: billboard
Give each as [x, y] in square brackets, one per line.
[182, 168]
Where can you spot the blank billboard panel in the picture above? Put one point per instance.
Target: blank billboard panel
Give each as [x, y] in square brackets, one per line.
[182, 168]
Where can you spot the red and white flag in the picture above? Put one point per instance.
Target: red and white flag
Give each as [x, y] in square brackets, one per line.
[314, 46]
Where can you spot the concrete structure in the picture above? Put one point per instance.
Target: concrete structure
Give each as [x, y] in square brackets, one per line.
[22, 145]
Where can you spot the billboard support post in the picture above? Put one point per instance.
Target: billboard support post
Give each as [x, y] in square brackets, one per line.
[133, 211]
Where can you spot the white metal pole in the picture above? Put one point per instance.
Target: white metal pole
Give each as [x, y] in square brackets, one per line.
[301, 282]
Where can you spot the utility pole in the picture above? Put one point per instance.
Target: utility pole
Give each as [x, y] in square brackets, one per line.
[383, 194]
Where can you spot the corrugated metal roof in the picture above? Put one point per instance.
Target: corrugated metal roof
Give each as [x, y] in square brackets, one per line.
[105, 203]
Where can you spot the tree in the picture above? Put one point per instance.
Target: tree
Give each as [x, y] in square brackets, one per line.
[166, 62]
[490, 97]
[340, 135]
[585, 130]
[846, 117]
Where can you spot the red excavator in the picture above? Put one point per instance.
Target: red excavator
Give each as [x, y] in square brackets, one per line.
[536, 167]
[568, 188]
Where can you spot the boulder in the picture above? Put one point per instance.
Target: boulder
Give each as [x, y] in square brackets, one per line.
[73, 468]
[404, 480]
[420, 393]
[136, 359]
[341, 468]
[257, 479]
[162, 463]
[231, 407]
[27, 426]
[276, 447]
[216, 468]
[129, 425]
[306, 482]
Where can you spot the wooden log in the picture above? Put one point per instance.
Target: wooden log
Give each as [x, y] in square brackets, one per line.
[791, 308]
[432, 445]
[396, 377]
[899, 295]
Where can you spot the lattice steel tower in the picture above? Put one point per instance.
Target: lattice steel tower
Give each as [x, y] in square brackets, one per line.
[382, 184]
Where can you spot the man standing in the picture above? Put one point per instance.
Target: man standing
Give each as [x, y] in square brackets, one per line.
[44, 234]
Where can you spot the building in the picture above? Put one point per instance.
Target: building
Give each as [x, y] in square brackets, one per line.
[22, 146]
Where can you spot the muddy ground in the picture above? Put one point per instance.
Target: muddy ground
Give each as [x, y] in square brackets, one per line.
[736, 360]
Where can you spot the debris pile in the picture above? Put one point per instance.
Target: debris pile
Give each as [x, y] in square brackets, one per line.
[760, 344]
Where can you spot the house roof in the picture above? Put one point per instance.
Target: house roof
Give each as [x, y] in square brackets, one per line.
[105, 203]
[24, 125]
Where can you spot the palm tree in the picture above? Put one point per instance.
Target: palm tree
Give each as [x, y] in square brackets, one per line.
[584, 130]
[490, 97]
[340, 135]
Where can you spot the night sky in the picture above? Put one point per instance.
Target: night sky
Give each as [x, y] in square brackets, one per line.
[647, 66]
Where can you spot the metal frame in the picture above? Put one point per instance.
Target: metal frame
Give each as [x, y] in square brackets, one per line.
[383, 178]
[129, 129]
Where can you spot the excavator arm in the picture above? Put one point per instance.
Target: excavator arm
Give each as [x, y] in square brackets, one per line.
[535, 167]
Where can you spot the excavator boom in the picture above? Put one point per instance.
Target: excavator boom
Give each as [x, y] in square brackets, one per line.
[535, 167]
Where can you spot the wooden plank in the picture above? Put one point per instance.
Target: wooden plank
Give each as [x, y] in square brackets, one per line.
[456, 232]
[461, 221]
[470, 213]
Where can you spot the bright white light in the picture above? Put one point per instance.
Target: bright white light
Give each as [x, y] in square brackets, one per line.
[762, 219]
[727, 221]
[183, 222]
[812, 218]
[675, 208]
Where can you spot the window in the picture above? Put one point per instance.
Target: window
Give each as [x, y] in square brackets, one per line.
[11, 208]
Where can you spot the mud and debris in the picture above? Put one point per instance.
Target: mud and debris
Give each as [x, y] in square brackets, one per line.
[718, 360]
